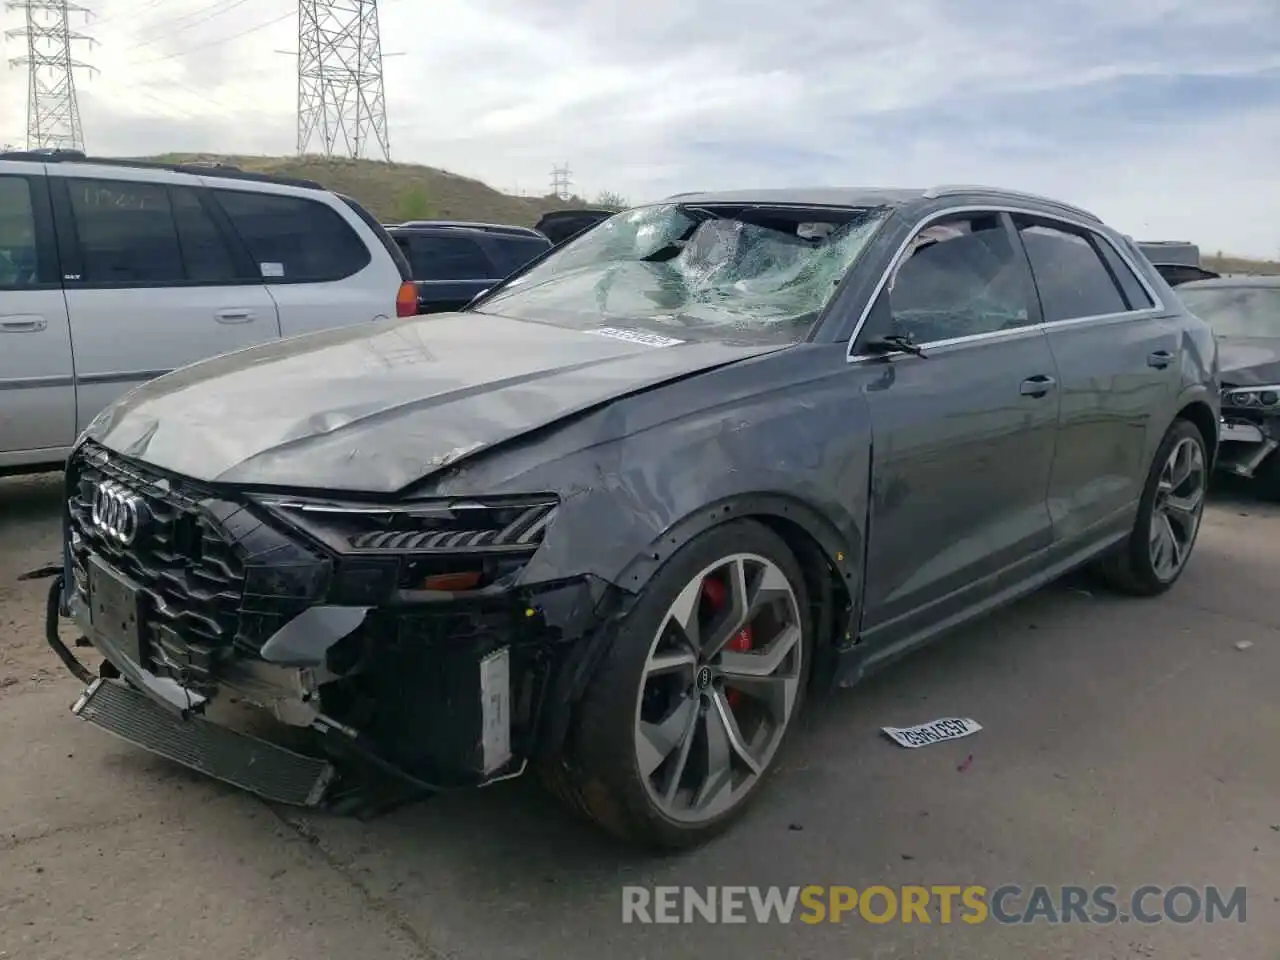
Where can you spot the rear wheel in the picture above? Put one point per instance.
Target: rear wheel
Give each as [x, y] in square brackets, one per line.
[1169, 514]
[697, 693]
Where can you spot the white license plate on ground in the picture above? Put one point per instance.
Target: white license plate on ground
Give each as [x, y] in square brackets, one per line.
[495, 710]
[1241, 433]
[948, 728]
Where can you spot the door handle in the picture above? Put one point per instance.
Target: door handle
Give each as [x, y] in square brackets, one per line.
[1160, 359]
[26, 325]
[1036, 386]
[234, 316]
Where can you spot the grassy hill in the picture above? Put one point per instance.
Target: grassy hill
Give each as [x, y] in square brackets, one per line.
[395, 192]
[1226, 264]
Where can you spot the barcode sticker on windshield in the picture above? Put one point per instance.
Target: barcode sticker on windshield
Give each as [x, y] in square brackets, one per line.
[950, 728]
[636, 336]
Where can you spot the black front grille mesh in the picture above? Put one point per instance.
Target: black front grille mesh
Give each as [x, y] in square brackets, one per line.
[193, 577]
[216, 579]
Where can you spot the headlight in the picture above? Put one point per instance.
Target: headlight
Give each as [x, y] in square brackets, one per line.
[1267, 396]
[450, 546]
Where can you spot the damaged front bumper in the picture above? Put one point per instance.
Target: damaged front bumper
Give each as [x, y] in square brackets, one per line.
[223, 650]
[474, 717]
[1247, 442]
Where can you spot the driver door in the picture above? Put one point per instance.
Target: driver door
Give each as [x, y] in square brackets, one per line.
[963, 436]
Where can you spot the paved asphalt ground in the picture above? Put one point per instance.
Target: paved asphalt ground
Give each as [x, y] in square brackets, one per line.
[1125, 742]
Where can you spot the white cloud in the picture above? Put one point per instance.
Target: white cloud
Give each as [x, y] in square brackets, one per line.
[1163, 115]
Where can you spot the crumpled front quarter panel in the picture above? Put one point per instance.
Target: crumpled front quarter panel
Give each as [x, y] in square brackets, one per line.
[786, 434]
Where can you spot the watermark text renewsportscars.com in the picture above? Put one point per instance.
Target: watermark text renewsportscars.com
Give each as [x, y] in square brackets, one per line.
[941, 903]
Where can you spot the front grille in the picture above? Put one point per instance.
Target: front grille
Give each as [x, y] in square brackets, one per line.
[215, 579]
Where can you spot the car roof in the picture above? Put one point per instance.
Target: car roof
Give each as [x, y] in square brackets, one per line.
[197, 167]
[575, 213]
[508, 229]
[1248, 280]
[878, 197]
[808, 196]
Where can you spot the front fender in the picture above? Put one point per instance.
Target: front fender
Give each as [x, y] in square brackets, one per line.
[842, 550]
[788, 436]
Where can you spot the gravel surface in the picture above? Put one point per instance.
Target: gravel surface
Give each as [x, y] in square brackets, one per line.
[1125, 742]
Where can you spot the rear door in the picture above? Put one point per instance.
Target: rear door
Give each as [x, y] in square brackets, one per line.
[1116, 348]
[323, 266]
[152, 282]
[37, 392]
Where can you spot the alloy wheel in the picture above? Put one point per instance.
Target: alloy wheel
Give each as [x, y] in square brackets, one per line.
[719, 688]
[1178, 506]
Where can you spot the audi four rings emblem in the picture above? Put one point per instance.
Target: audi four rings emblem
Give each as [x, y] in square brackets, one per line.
[117, 511]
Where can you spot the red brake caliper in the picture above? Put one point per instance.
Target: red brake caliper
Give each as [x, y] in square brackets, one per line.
[717, 595]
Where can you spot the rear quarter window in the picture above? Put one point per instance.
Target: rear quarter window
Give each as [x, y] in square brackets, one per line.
[514, 252]
[401, 257]
[294, 239]
[442, 257]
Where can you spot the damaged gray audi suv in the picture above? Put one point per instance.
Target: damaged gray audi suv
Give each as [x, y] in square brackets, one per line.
[1244, 313]
[617, 519]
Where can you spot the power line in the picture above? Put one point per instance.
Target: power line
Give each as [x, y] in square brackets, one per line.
[341, 95]
[214, 43]
[151, 5]
[169, 28]
[53, 112]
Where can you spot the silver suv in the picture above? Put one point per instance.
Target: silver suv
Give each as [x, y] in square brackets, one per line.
[115, 272]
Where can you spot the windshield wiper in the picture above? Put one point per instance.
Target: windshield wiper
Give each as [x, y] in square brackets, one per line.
[896, 342]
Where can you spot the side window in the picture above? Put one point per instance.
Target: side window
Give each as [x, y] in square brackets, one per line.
[126, 232]
[1135, 294]
[961, 277]
[438, 257]
[205, 254]
[18, 260]
[1071, 277]
[293, 239]
[515, 252]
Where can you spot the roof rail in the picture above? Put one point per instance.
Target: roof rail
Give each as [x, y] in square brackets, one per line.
[508, 228]
[951, 189]
[43, 154]
[200, 168]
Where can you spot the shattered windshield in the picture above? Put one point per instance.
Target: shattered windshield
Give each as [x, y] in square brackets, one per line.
[1236, 311]
[757, 274]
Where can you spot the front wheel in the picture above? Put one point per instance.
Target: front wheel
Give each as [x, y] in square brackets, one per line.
[696, 694]
[1168, 521]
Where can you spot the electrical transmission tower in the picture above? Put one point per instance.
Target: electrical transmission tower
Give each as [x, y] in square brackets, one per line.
[560, 182]
[341, 97]
[53, 114]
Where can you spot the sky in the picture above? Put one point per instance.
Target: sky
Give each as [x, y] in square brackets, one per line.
[1161, 116]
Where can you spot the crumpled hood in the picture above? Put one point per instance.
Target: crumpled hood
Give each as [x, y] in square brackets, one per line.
[375, 407]
[1249, 362]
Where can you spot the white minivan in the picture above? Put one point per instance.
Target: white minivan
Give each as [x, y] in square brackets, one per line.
[114, 272]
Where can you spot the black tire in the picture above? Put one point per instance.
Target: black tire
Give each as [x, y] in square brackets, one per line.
[1129, 568]
[597, 774]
